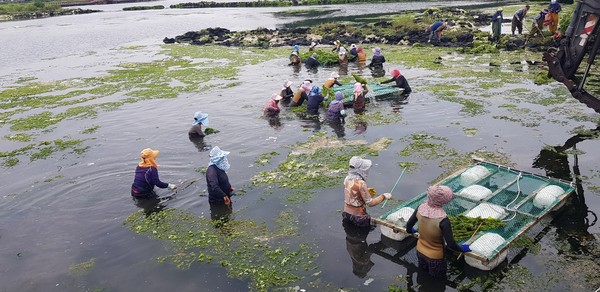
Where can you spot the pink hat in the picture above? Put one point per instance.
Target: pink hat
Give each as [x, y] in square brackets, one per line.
[276, 96]
[437, 196]
[358, 87]
[395, 72]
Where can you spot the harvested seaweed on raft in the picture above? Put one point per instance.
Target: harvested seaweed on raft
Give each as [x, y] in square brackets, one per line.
[463, 227]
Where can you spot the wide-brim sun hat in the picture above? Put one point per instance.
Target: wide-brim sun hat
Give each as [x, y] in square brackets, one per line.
[149, 153]
[360, 163]
[200, 117]
[335, 75]
[276, 96]
[217, 152]
[287, 83]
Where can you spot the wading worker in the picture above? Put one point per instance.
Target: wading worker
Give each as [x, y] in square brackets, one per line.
[360, 100]
[146, 176]
[196, 129]
[517, 20]
[400, 81]
[272, 109]
[217, 181]
[286, 91]
[315, 97]
[434, 229]
[378, 59]
[301, 94]
[356, 193]
[333, 80]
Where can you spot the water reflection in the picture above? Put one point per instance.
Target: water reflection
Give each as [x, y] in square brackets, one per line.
[149, 205]
[220, 214]
[338, 128]
[311, 122]
[361, 126]
[198, 141]
[573, 223]
[356, 245]
[275, 123]
[377, 71]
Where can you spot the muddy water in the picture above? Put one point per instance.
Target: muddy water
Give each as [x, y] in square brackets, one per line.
[68, 209]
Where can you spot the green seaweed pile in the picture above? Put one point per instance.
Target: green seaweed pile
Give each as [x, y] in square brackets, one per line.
[209, 131]
[246, 249]
[464, 227]
[319, 163]
[325, 57]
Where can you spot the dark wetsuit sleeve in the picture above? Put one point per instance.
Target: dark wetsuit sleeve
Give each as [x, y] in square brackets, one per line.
[388, 81]
[412, 220]
[152, 178]
[448, 236]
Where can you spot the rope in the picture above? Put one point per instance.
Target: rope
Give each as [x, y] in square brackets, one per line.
[397, 181]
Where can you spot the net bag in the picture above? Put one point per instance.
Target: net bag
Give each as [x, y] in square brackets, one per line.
[547, 196]
[487, 210]
[475, 192]
[473, 174]
[486, 245]
[399, 218]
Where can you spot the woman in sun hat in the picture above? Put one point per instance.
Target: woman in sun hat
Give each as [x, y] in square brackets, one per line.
[360, 100]
[335, 112]
[301, 93]
[199, 120]
[315, 97]
[146, 176]
[356, 193]
[332, 80]
[378, 59]
[217, 181]
[272, 109]
[434, 229]
[286, 91]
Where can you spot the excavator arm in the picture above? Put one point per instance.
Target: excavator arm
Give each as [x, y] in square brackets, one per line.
[581, 38]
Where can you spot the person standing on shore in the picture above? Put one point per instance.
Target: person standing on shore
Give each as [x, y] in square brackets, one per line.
[554, 8]
[497, 24]
[517, 20]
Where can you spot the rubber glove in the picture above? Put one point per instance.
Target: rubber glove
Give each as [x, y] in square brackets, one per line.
[412, 230]
[172, 187]
[387, 196]
[227, 201]
[465, 247]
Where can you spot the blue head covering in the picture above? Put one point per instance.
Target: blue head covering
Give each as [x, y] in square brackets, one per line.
[315, 90]
[199, 117]
[218, 158]
[297, 48]
[377, 51]
[339, 96]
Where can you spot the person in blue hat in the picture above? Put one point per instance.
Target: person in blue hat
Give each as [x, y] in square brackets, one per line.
[199, 120]
[315, 97]
[217, 181]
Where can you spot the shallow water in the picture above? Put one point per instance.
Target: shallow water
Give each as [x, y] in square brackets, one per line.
[70, 208]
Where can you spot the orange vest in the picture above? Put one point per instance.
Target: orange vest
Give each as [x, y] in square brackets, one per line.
[431, 240]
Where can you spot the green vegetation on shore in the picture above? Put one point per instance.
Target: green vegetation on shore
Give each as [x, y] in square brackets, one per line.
[37, 6]
[133, 8]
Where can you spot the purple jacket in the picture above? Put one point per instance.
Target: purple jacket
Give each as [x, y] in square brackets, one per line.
[145, 180]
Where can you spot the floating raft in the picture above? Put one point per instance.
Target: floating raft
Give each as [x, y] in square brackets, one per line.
[484, 189]
[376, 91]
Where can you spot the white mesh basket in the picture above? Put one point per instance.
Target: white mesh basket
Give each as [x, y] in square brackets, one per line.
[487, 210]
[473, 174]
[486, 245]
[399, 218]
[547, 196]
[475, 192]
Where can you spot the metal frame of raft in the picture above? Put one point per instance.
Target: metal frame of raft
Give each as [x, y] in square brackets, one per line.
[525, 214]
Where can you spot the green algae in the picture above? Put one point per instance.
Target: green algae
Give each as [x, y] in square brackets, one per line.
[47, 148]
[248, 250]
[90, 130]
[374, 117]
[265, 158]
[19, 137]
[470, 132]
[53, 178]
[84, 266]
[426, 146]
[319, 163]
[304, 12]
